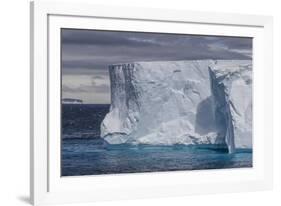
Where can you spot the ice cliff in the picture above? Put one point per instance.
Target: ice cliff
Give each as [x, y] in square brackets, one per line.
[181, 102]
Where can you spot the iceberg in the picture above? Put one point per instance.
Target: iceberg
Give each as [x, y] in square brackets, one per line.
[234, 81]
[204, 102]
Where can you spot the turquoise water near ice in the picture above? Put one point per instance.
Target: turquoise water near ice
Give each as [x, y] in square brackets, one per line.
[85, 153]
[94, 157]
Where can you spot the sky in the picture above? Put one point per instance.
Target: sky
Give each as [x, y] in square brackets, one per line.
[86, 55]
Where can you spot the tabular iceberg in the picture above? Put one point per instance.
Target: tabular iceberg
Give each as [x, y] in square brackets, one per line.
[181, 102]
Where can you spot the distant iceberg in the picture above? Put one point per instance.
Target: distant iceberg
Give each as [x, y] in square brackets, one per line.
[181, 102]
[71, 101]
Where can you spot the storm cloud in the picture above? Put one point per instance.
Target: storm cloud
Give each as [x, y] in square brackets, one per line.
[89, 52]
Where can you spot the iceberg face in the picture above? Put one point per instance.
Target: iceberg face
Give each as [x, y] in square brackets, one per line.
[180, 102]
[235, 81]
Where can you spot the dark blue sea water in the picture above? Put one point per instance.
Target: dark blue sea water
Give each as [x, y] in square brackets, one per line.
[85, 153]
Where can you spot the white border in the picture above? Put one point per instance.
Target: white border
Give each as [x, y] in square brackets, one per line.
[57, 183]
[46, 184]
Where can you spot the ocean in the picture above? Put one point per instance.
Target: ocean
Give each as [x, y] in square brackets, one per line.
[85, 153]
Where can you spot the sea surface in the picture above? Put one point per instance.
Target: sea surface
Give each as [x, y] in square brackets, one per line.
[85, 153]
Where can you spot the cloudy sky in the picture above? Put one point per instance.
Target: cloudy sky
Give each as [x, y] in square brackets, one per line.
[86, 55]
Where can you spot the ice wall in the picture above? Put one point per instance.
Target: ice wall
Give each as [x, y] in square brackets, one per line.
[235, 81]
[179, 102]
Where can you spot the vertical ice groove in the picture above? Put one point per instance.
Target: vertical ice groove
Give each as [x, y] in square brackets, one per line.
[236, 77]
[223, 114]
[120, 121]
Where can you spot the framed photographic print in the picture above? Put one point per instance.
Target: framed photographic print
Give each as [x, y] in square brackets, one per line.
[137, 103]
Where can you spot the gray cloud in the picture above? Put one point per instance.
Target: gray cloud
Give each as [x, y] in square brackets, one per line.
[86, 88]
[90, 49]
[234, 42]
[97, 77]
[90, 52]
[104, 38]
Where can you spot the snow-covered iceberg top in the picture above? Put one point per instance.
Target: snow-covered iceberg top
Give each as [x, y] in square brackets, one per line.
[181, 102]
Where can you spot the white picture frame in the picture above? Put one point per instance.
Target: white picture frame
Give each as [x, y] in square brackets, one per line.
[47, 186]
